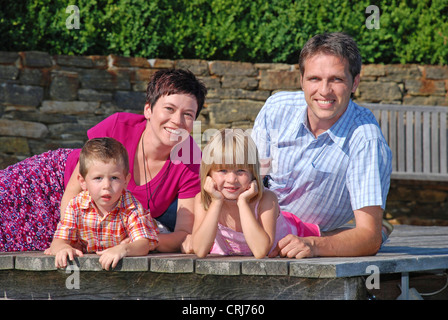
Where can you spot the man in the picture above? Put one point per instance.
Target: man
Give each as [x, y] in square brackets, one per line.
[329, 162]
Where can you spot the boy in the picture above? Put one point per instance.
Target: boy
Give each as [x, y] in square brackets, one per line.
[104, 214]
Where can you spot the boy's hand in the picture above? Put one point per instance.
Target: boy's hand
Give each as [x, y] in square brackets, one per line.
[111, 256]
[60, 260]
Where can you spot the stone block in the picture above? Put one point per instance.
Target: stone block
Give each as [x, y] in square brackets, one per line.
[64, 85]
[142, 75]
[35, 77]
[373, 70]
[198, 67]
[18, 128]
[14, 145]
[374, 91]
[425, 101]
[127, 62]
[36, 59]
[6, 262]
[211, 82]
[436, 72]
[94, 95]
[218, 266]
[263, 267]
[35, 262]
[74, 61]
[99, 62]
[9, 72]
[399, 72]
[236, 82]
[274, 66]
[162, 63]
[232, 68]
[279, 80]
[132, 100]
[8, 57]
[235, 110]
[69, 107]
[425, 87]
[172, 265]
[223, 94]
[22, 95]
[105, 79]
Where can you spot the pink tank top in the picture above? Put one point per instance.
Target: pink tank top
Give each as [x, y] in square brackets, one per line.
[231, 242]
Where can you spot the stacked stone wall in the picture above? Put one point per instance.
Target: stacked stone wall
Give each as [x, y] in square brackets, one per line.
[48, 102]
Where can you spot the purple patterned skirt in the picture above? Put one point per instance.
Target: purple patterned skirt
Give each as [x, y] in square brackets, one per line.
[30, 196]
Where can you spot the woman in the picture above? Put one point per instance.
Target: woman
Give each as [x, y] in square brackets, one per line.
[32, 191]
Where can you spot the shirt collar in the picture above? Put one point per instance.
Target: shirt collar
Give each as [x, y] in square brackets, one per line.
[339, 131]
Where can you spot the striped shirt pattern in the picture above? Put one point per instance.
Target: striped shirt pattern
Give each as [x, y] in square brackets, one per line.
[83, 223]
[323, 180]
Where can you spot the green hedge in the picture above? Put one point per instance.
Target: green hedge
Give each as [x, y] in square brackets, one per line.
[412, 31]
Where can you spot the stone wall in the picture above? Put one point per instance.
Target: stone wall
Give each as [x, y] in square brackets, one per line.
[47, 102]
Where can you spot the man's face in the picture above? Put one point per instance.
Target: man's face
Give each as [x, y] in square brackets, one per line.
[328, 85]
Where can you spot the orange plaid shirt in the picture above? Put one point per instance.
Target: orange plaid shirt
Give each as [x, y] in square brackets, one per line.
[83, 223]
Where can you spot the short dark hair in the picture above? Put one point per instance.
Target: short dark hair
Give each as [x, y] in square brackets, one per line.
[175, 81]
[103, 149]
[338, 44]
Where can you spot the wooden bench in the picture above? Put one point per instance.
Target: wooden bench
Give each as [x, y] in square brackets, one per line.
[418, 138]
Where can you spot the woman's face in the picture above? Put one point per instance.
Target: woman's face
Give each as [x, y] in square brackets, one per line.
[171, 118]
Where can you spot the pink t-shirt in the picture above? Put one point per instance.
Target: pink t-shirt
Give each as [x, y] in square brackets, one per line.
[176, 178]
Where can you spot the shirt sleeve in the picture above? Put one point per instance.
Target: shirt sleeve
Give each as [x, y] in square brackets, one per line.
[368, 175]
[260, 132]
[140, 225]
[104, 128]
[67, 227]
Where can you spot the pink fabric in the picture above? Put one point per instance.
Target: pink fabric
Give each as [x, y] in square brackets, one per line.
[231, 242]
[176, 179]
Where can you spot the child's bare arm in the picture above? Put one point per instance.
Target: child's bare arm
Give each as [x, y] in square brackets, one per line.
[111, 256]
[259, 233]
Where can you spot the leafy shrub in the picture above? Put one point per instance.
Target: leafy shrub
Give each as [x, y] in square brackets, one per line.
[411, 31]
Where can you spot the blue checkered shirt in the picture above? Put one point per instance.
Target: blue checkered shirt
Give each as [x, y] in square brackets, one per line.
[323, 180]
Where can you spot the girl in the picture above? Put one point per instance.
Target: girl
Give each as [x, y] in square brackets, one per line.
[234, 214]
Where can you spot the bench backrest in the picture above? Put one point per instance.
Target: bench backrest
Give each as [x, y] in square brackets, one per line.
[417, 137]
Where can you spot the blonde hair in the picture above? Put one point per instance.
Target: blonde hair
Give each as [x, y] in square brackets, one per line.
[230, 148]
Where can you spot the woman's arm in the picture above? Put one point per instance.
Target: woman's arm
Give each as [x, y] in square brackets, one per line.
[72, 189]
[172, 242]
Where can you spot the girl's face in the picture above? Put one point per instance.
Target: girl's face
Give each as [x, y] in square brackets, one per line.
[171, 118]
[231, 182]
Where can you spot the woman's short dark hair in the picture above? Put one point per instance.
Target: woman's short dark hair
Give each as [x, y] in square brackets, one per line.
[337, 44]
[175, 81]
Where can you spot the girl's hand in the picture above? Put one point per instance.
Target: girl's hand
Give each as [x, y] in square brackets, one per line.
[210, 188]
[249, 193]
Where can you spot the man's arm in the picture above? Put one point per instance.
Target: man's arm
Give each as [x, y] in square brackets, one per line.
[362, 240]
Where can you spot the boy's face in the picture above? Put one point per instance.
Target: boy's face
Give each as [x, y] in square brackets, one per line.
[105, 183]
